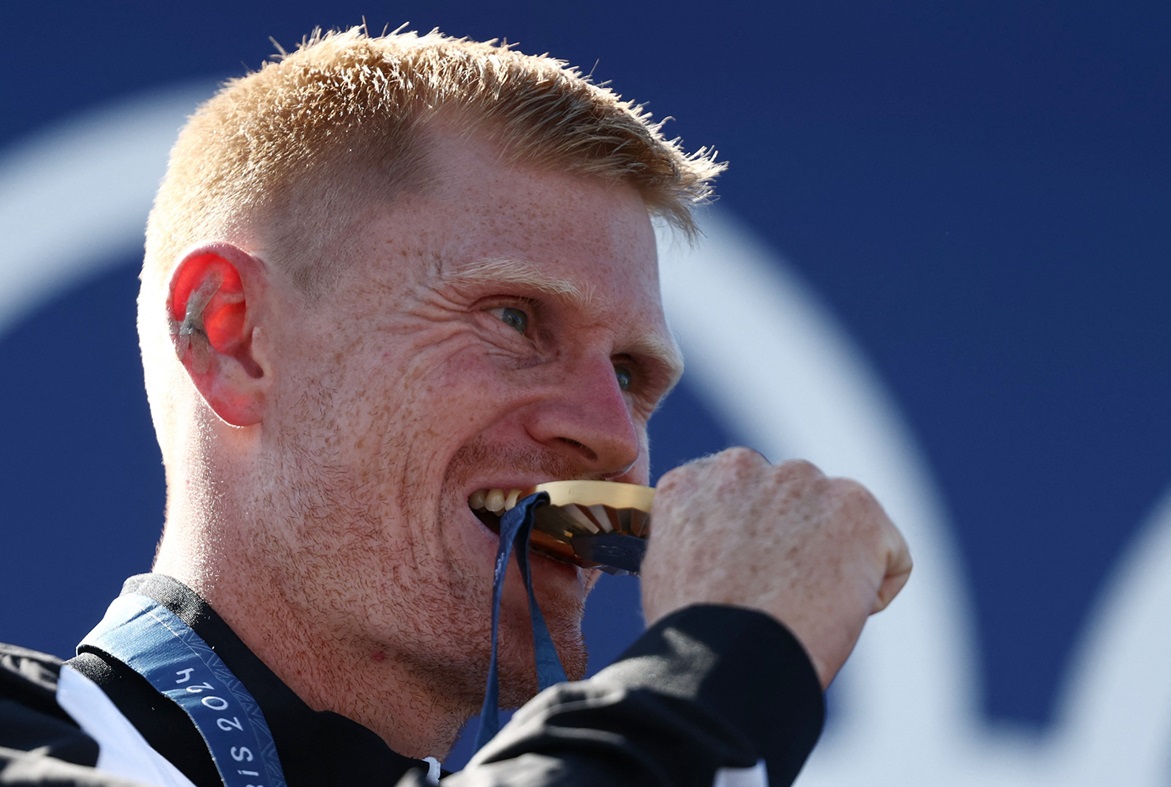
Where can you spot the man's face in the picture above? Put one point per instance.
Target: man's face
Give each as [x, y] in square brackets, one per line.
[499, 329]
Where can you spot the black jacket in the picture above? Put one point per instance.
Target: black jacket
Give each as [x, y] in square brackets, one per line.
[705, 689]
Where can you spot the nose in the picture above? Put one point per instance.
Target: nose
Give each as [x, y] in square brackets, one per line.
[586, 419]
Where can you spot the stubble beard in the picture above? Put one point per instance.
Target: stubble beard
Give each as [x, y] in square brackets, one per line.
[434, 610]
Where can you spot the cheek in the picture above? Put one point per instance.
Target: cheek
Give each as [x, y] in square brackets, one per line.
[468, 388]
[641, 472]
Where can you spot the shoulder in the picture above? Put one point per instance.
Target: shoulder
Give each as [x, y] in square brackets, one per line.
[39, 742]
[28, 684]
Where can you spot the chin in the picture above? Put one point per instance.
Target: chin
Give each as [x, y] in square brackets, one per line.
[563, 616]
[562, 609]
[561, 590]
[572, 649]
[518, 676]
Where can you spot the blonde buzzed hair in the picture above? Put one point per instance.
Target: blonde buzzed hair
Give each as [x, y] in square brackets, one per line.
[291, 152]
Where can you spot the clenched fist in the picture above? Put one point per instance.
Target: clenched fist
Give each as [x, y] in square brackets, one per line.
[818, 554]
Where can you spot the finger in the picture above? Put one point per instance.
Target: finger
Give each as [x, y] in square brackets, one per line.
[897, 573]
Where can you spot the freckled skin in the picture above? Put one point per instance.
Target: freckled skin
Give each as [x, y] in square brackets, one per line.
[400, 392]
[498, 329]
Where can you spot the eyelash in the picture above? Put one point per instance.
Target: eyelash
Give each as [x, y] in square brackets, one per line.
[627, 367]
[523, 329]
[529, 307]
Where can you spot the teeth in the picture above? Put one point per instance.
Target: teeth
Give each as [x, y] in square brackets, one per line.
[494, 500]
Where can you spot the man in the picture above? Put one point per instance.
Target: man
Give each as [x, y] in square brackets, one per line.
[386, 278]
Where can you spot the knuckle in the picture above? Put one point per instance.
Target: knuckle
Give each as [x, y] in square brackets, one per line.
[850, 490]
[856, 497]
[799, 470]
[743, 457]
[671, 482]
[700, 464]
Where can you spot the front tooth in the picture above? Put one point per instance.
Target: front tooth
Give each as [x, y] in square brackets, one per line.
[494, 501]
[510, 501]
[476, 501]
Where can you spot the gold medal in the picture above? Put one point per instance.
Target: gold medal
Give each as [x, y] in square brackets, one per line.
[594, 524]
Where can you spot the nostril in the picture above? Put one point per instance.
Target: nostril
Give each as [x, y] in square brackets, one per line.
[590, 453]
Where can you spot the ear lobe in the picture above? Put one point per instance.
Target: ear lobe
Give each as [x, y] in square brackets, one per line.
[213, 326]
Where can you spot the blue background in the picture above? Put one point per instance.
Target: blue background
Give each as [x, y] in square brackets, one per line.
[980, 191]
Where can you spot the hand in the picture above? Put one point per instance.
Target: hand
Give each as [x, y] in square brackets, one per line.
[818, 554]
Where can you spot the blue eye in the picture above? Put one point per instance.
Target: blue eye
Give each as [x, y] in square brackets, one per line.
[515, 318]
[625, 377]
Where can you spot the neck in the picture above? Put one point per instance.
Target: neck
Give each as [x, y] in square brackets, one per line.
[380, 690]
[391, 693]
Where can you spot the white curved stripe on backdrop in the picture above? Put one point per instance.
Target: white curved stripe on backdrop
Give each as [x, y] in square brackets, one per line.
[75, 196]
[789, 382]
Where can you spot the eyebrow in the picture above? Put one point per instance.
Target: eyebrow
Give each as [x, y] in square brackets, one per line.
[519, 272]
[663, 350]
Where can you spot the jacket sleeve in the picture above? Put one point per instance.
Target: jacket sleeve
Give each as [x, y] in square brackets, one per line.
[706, 694]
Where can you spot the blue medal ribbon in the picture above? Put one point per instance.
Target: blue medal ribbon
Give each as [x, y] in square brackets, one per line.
[158, 645]
[516, 525]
